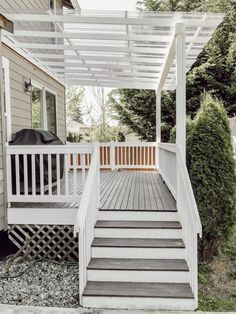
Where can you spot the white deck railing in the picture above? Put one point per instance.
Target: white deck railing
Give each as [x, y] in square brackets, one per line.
[87, 217]
[44, 173]
[175, 174]
[124, 155]
[167, 165]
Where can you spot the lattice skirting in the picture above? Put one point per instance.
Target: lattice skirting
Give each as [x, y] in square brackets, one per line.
[40, 241]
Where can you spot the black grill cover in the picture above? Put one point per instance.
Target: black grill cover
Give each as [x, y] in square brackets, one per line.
[35, 137]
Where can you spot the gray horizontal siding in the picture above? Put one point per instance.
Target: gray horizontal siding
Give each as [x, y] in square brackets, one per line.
[24, 4]
[22, 70]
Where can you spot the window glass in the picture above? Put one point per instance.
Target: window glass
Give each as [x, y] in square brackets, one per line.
[36, 108]
[51, 112]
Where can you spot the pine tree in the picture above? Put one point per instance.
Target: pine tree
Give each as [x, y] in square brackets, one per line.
[211, 168]
[214, 72]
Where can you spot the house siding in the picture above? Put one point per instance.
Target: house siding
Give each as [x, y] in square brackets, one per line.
[24, 4]
[21, 70]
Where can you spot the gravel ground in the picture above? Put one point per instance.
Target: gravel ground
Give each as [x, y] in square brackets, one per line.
[44, 284]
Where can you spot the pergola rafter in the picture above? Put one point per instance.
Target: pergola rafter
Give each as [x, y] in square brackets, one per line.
[113, 49]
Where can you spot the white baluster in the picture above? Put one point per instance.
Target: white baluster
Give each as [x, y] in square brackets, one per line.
[33, 174]
[49, 174]
[58, 163]
[17, 174]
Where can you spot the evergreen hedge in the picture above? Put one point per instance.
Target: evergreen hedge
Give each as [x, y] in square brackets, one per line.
[211, 165]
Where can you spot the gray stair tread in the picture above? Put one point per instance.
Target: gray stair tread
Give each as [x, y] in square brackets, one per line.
[138, 264]
[139, 210]
[129, 224]
[138, 289]
[135, 242]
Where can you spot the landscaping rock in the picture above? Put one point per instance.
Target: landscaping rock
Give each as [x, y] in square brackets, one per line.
[43, 283]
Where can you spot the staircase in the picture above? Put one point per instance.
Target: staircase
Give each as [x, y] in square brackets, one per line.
[138, 262]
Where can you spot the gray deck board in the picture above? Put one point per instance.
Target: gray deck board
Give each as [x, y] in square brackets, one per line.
[121, 190]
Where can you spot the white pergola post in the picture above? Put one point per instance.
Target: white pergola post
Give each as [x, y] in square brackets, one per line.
[180, 108]
[158, 125]
[158, 116]
[180, 89]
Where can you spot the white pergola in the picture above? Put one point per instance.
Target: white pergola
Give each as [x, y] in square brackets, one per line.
[140, 50]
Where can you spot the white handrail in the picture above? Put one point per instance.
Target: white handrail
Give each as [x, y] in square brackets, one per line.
[87, 217]
[190, 195]
[190, 221]
[175, 174]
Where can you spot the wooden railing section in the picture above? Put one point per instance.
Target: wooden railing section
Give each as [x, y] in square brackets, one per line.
[35, 173]
[175, 174]
[87, 217]
[117, 155]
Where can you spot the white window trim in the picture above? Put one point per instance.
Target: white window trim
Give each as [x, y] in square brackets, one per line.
[44, 105]
[5, 66]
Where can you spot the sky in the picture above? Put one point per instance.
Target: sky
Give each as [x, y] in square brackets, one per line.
[124, 5]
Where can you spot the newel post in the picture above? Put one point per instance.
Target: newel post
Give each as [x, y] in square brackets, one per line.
[112, 156]
[180, 103]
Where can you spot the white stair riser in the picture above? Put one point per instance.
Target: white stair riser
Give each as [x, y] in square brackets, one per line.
[114, 252]
[138, 215]
[139, 276]
[139, 303]
[138, 233]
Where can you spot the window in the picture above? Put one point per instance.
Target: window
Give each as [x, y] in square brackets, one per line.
[37, 108]
[43, 109]
[51, 112]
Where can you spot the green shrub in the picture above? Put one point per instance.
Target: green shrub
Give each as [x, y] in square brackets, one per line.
[189, 128]
[211, 167]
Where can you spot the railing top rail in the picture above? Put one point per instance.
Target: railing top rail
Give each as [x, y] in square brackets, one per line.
[116, 144]
[47, 149]
[88, 189]
[168, 146]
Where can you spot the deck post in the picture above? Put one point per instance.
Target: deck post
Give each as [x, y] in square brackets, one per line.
[158, 125]
[112, 156]
[6, 25]
[180, 108]
[180, 89]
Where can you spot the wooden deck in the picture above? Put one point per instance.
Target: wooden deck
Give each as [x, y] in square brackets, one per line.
[124, 190]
